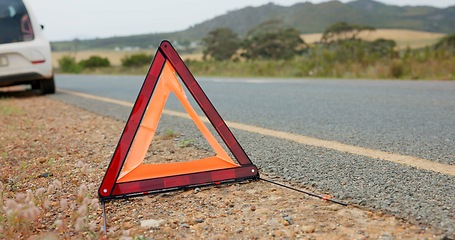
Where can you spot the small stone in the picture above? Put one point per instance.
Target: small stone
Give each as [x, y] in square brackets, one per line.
[199, 220]
[289, 220]
[45, 175]
[253, 208]
[308, 229]
[151, 223]
[333, 207]
[185, 225]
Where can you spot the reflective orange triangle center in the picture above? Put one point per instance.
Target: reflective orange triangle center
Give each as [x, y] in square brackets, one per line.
[134, 169]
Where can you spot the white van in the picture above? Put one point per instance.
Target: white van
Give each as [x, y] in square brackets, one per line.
[25, 54]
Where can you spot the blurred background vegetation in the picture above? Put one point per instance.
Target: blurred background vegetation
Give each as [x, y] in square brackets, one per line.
[305, 40]
[271, 51]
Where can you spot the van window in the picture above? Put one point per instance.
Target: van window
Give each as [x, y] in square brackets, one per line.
[15, 25]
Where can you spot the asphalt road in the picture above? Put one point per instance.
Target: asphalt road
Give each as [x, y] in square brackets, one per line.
[413, 119]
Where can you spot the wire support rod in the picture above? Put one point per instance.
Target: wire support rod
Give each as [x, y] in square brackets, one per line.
[325, 198]
[103, 205]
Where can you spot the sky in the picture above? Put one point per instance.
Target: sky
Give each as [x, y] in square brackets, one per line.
[88, 19]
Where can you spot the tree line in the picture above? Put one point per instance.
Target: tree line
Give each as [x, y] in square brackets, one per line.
[340, 52]
[340, 41]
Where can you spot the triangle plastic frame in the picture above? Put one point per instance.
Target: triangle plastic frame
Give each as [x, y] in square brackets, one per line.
[112, 188]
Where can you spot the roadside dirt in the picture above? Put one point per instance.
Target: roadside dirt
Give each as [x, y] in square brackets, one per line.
[54, 156]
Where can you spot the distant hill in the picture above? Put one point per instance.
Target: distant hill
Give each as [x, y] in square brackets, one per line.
[306, 17]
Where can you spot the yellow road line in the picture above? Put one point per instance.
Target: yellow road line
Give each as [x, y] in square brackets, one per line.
[416, 162]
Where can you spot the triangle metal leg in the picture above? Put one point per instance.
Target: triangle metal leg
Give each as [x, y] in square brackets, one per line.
[103, 203]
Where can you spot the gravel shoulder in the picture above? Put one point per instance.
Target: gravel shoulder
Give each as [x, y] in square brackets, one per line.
[53, 159]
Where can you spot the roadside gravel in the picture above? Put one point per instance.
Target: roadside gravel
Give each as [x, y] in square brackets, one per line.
[46, 144]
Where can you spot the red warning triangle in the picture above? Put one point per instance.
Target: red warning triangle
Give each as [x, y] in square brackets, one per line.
[128, 176]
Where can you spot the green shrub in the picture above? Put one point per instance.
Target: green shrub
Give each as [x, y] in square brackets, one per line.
[95, 62]
[68, 64]
[396, 69]
[136, 60]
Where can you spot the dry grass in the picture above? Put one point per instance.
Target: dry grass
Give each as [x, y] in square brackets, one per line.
[45, 187]
[403, 38]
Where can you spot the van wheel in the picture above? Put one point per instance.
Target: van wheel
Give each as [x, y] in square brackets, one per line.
[45, 86]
